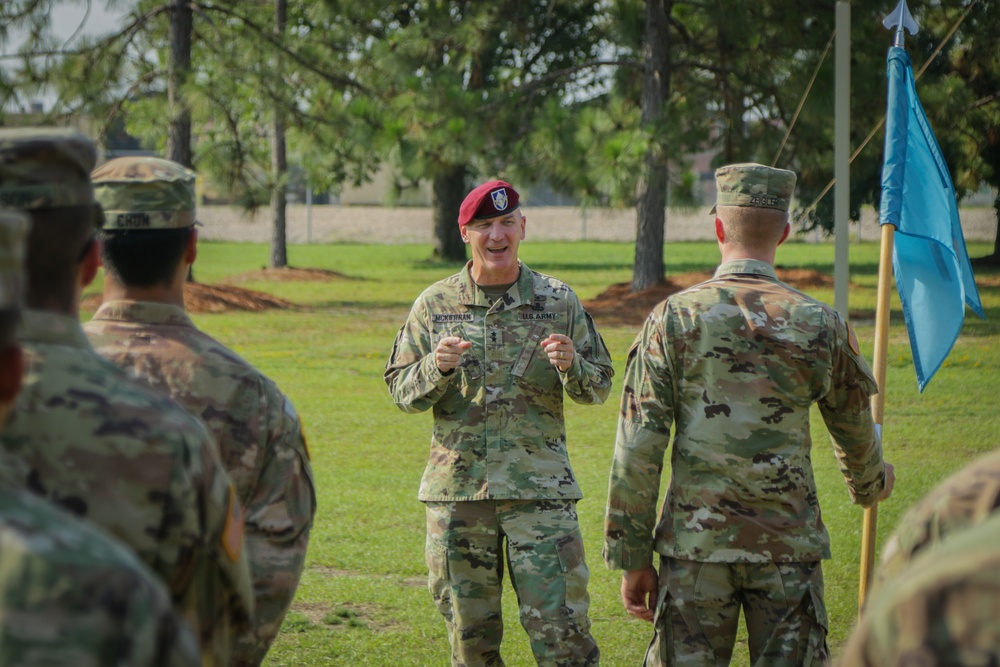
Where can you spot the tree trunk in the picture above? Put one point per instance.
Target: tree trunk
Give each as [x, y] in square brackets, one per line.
[651, 194]
[179, 125]
[279, 160]
[449, 191]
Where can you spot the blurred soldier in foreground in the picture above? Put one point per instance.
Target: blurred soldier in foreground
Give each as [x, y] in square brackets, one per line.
[491, 350]
[68, 593]
[936, 595]
[735, 363]
[943, 609]
[99, 444]
[149, 242]
[965, 499]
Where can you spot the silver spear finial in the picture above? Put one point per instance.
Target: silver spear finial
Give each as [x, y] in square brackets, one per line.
[899, 19]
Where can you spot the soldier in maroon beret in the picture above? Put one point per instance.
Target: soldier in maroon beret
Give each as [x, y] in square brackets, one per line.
[491, 351]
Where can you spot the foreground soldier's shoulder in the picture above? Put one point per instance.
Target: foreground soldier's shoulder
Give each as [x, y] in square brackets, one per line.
[94, 594]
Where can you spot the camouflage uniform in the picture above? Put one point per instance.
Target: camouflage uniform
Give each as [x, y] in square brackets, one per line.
[258, 431]
[944, 610]
[735, 363]
[71, 595]
[499, 436]
[967, 498]
[68, 593]
[108, 448]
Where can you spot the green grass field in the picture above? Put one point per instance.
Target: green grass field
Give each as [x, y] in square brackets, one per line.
[363, 598]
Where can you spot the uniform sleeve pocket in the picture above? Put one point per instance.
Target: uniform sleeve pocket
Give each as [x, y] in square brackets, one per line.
[570, 551]
[528, 350]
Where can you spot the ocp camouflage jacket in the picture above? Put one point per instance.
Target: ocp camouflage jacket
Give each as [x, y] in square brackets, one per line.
[498, 418]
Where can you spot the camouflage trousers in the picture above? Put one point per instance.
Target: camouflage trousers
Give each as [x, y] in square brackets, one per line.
[466, 544]
[698, 611]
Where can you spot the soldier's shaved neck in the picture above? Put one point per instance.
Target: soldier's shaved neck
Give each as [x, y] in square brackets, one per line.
[750, 232]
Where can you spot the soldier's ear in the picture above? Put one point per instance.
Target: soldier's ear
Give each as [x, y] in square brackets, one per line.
[11, 370]
[720, 230]
[784, 234]
[191, 249]
[91, 262]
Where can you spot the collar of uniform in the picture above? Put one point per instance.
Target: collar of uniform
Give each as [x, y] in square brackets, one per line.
[146, 312]
[469, 295]
[40, 326]
[753, 267]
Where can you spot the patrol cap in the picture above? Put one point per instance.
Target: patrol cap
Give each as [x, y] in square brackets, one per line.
[754, 185]
[488, 200]
[145, 193]
[14, 227]
[45, 167]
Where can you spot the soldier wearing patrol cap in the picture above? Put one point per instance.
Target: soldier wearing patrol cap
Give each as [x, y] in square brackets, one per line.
[69, 594]
[733, 365]
[99, 444]
[149, 242]
[491, 351]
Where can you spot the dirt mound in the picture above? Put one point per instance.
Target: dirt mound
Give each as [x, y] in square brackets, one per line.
[618, 306]
[201, 298]
[288, 274]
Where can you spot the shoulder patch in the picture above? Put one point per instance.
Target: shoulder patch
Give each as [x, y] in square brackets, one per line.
[232, 533]
[852, 339]
[305, 440]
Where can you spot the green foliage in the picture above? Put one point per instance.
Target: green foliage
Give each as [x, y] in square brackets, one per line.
[534, 91]
[365, 567]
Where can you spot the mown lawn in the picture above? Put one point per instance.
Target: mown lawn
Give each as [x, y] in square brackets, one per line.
[363, 599]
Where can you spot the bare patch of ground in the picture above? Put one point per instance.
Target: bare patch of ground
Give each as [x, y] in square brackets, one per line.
[992, 280]
[345, 615]
[617, 305]
[314, 611]
[202, 298]
[289, 274]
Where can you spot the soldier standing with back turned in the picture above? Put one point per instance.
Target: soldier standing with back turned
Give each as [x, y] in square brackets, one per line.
[101, 445]
[149, 242]
[69, 594]
[734, 364]
[491, 350]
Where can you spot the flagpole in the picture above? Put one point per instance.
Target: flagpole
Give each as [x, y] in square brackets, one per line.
[901, 19]
[879, 362]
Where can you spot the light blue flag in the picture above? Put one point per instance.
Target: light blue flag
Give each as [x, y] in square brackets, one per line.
[929, 258]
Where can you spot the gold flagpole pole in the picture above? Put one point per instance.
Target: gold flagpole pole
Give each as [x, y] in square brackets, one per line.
[880, 357]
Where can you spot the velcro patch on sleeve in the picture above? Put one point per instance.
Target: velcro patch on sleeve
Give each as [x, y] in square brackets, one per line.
[305, 440]
[232, 533]
[852, 339]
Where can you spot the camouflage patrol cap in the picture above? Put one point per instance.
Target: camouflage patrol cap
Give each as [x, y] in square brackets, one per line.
[754, 185]
[14, 227]
[145, 193]
[45, 167]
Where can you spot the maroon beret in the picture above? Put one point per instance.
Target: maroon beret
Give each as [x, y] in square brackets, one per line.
[488, 201]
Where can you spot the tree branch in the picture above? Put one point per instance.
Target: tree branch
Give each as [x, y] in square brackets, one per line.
[267, 36]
